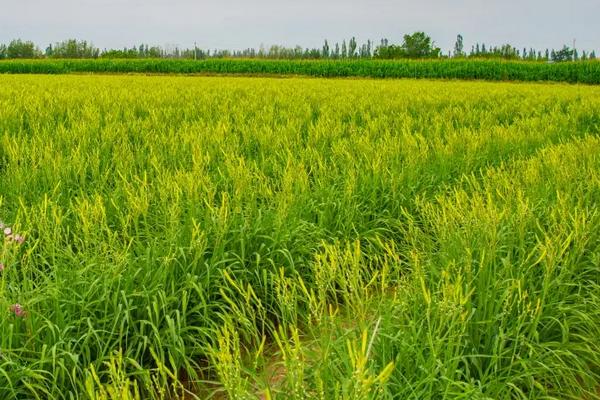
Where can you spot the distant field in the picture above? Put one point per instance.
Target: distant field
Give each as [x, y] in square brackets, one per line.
[579, 72]
[297, 238]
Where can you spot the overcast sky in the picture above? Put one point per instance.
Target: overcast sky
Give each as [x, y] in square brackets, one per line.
[237, 24]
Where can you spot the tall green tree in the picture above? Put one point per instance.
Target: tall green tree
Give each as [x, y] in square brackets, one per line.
[325, 52]
[352, 47]
[22, 49]
[459, 47]
[420, 45]
[562, 55]
[73, 48]
[389, 51]
[584, 55]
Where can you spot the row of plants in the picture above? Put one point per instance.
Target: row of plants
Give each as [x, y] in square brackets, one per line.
[587, 72]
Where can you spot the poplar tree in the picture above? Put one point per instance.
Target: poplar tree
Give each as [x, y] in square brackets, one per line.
[326, 49]
[352, 47]
[459, 47]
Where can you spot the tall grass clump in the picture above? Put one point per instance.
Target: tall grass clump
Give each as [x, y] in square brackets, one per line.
[253, 238]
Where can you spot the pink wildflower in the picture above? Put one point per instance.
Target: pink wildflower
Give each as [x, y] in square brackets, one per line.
[18, 310]
[1, 267]
[7, 231]
[19, 239]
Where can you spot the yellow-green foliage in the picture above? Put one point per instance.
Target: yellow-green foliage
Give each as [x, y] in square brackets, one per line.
[298, 238]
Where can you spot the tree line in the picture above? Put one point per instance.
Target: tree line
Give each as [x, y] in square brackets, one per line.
[414, 46]
[512, 53]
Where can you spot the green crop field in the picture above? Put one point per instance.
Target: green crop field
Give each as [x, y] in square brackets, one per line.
[587, 72]
[192, 237]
